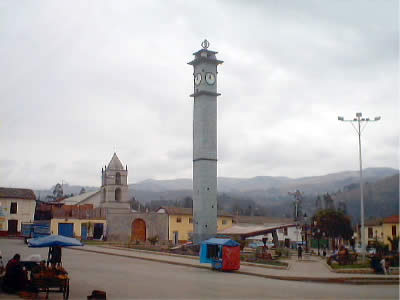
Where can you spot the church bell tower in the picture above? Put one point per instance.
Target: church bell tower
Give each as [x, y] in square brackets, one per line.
[205, 143]
[114, 185]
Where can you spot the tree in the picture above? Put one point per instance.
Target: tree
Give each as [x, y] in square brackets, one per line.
[342, 207]
[82, 191]
[335, 224]
[318, 204]
[328, 201]
[58, 191]
[188, 202]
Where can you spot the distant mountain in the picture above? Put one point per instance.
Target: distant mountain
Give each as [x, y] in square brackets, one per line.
[270, 194]
[152, 185]
[261, 184]
[381, 198]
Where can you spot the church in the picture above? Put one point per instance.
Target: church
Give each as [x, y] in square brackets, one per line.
[122, 224]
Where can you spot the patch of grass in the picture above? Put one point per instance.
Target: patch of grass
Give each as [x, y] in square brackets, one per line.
[272, 262]
[91, 242]
[352, 266]
[96, 243]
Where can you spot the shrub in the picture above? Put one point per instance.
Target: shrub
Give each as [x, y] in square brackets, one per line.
[282, 252]
[153, 240]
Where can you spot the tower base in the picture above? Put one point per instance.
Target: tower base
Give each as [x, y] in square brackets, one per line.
[200, 237]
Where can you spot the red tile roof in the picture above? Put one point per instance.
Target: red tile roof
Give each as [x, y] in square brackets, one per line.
[17, 193]
[391, 219]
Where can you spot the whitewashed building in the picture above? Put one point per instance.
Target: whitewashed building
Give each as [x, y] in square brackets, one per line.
[17, 206]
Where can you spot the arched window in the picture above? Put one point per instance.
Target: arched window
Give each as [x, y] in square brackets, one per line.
[118, 178]
[118, 194]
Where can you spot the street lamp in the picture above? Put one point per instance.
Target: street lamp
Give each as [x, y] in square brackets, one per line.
[317, 234]
[306, 229]
[358, 119]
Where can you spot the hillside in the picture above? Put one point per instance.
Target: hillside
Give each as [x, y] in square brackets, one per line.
[268, 195]
[380, 198]
[313, 184]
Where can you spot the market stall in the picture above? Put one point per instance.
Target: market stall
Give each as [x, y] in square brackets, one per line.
[223, 254]
[51, 277]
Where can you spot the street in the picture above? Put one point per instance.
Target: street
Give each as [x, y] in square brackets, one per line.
[127, 278]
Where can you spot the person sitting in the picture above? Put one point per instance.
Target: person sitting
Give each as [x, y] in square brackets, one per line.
[15, 279]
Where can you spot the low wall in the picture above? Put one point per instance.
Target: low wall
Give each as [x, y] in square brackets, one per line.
[120, 225]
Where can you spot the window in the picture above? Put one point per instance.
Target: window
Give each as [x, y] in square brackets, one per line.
[13, 209]
[178, 220]
[370, 233]
[394, 233]
[118, 194]
[224, 222]
[190, 221]
[118, 179]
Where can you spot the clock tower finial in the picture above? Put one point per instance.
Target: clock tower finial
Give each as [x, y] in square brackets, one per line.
[205, 44]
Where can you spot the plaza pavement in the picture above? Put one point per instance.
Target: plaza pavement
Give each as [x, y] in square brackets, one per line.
[312, 269]
[128, 274]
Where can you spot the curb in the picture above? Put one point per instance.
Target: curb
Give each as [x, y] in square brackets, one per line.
[343, 280]
[196, 257]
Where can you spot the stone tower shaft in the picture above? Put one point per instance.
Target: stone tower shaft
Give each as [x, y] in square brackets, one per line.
[205, 143]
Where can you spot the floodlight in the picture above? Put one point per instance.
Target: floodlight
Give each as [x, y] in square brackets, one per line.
[377, 118]
[359, 114]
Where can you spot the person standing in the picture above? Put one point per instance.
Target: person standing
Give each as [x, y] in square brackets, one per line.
[299, 252]
[1, 263]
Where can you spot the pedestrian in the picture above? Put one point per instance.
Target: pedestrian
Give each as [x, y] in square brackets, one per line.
[299, 252]
[1, 263]
[383, 264]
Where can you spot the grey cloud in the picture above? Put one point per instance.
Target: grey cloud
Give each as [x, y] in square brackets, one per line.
[79, 80]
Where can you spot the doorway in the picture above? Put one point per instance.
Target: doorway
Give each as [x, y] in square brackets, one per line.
[84, 231]
[66, 229]
[138, 230]
[176, 237]
[98, 231]
[12, 227]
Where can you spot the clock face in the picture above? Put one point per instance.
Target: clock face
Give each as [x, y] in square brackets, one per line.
[210, 78]
[197, 79]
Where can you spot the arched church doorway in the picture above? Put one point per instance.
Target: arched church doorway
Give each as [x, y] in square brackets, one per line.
[138, 230]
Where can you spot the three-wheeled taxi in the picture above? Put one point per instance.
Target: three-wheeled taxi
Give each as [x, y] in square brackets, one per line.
[223, 254]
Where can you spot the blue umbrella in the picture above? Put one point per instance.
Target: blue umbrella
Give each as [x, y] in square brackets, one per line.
[53, 241]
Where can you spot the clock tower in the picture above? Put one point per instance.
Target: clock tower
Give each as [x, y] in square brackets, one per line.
[205, 143]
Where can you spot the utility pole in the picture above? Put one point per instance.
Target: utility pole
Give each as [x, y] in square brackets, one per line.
[297, 204]
[359, 120]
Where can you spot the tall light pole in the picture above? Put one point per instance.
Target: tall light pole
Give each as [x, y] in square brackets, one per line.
[359, 120]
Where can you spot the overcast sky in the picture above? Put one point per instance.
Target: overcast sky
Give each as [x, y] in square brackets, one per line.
[79, 79]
